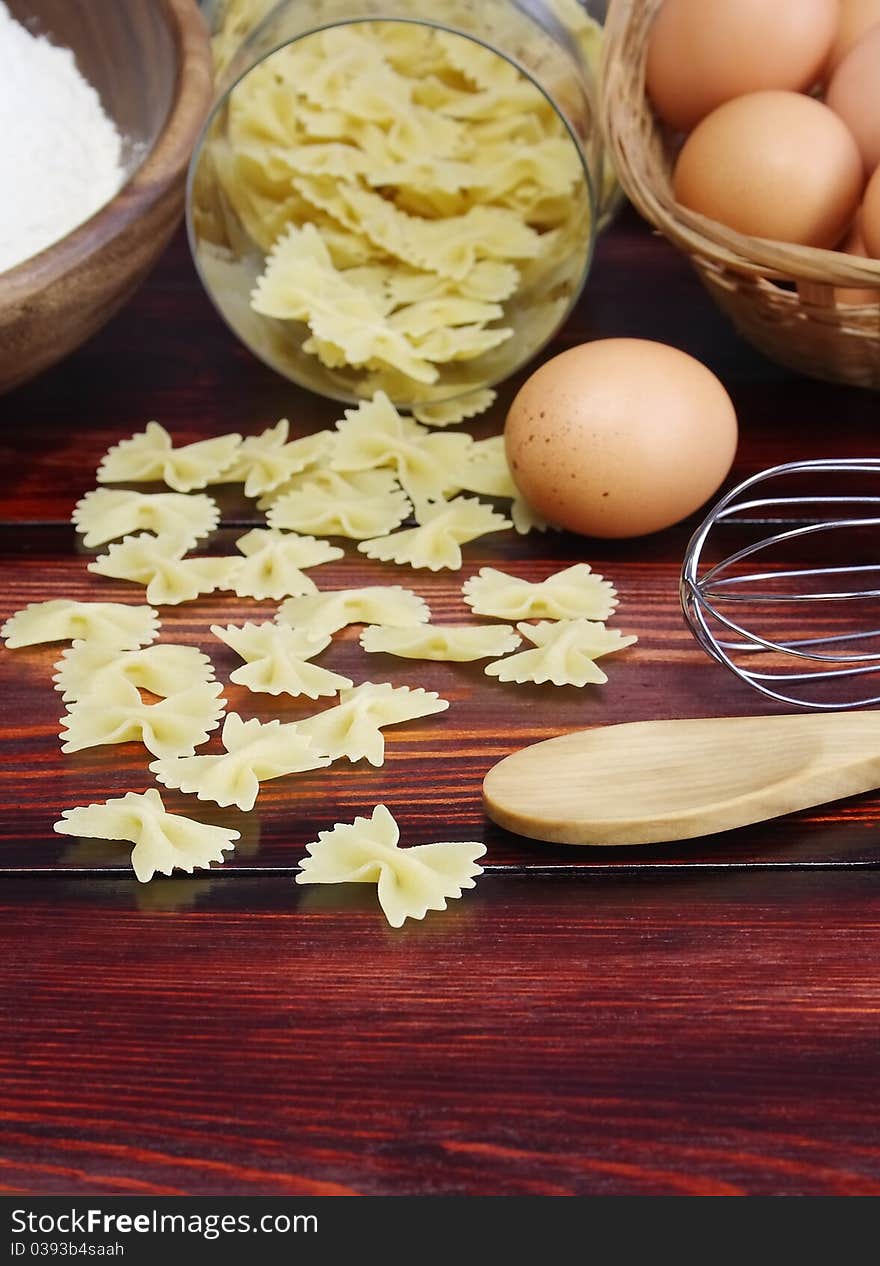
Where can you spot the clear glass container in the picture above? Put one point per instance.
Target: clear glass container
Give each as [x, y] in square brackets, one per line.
[290, 204]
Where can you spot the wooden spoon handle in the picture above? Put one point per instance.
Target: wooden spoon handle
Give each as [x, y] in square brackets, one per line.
[652, 781]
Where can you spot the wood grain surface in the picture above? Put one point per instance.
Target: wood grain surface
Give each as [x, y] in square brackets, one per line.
[696, 1018]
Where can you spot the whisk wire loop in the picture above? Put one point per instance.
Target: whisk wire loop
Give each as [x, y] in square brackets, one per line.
[780, 594]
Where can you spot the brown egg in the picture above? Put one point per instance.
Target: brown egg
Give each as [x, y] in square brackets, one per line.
[773, 164]
[869, 219]
[856, 17]
[702, 53]
[855, 245]
[620, 437]
[854, 94]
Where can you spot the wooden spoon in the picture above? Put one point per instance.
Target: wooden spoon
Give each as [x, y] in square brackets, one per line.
[651, 781]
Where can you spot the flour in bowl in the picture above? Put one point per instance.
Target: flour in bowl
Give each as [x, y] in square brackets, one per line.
[60, 153]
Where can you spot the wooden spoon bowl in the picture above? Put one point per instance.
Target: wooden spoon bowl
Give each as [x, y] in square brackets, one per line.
[150, 62]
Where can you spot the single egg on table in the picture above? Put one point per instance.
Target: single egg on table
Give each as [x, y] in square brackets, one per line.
[620, 437]
[773, 164]
[702, 53]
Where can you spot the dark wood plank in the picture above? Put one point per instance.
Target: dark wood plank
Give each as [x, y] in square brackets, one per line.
[434, 768]
[681, 1037]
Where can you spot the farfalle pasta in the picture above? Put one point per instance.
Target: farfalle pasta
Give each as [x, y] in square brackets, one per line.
[162, 841]
[372, 483]
[350, 508]
[525, 518]
[118, 714]
[159, 563]
[436, 543]
[486, 471]
[150, 455]
[457, 642]
[375, 435]
[255, 752]
[410, 881]
[301, 283]
[277, 660]
[576, 592]
[410, 217]
[564, 653]
[273, 563]
[263, 462]
[461, 409]
[63, 619]
[327, 612]
[353, 728]
[162, 669]
[109, 513]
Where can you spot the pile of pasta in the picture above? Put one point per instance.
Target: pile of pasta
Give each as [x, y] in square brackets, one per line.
[419, 203]
[236, 19]
[121, 685]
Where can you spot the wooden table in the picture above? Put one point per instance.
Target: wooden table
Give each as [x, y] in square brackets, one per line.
[692, 1019]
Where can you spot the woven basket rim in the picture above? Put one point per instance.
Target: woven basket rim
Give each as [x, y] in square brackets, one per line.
[629, 124]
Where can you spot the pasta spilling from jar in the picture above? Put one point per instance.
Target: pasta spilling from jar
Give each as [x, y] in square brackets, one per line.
[413, 208]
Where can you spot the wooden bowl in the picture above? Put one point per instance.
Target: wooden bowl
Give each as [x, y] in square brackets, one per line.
[150, 61]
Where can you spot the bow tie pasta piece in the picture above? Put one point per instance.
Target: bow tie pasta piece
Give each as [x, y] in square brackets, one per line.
[265, 461]
[488, 280]
[458, 642]
[485, 470]
[411, 881]
[328, 158]
[375, 434]
[525, 519]
[62, 619]
[353, 728]
[354, 513]
[171, 727]
[477, 63]
[443, 527]
[162, 841]
[564, 653]
[417, 320]
[158, 562]
[371, 483]
[163, 670]
[255, 753]
[301, 283]
[463, 342]
[273, 561]
[450, 246]
[150, 455]
[108, 513]
[530, 181]
[574, 593]
[323, 614]
[276, 660]
[451, 412]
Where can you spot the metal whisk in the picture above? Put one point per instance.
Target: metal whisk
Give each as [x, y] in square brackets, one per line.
[753, 621]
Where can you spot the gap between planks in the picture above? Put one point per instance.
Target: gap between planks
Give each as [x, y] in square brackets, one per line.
[558, 870]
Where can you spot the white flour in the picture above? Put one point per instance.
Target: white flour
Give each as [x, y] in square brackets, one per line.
[60, 155]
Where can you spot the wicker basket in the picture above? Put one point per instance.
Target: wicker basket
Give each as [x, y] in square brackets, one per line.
[780, 297]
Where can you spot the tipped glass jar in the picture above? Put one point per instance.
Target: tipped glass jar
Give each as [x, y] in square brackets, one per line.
[396, 194]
